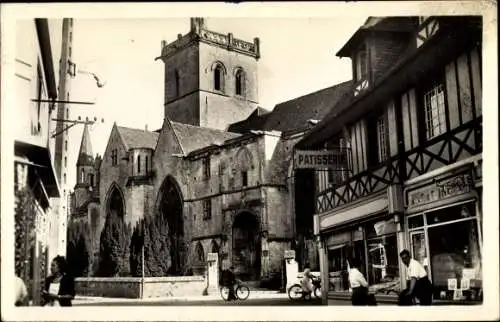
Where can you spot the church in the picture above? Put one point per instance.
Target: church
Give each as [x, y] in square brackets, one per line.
[220, 169]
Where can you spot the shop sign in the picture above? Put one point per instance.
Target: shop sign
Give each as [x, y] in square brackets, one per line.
[338, 238]
[442, 189]
[328, 159]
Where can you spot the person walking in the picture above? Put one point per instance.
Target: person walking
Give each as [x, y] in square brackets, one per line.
[358, 284]
[418, 284]
[59, 289]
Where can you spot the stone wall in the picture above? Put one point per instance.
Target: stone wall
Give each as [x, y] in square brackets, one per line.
[130, 287]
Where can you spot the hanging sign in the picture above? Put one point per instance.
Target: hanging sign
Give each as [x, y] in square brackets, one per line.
[328, 159]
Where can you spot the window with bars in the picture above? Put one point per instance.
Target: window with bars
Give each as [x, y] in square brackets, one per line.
[434, 106]
[207, 209]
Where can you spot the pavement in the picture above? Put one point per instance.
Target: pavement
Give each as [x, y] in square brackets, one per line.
[255, 299]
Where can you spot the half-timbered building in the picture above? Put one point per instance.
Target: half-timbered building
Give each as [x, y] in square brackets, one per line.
[412, 129]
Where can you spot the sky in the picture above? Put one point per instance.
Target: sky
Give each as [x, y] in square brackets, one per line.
[297, 58]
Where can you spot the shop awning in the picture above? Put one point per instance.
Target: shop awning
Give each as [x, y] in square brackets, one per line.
[352, 214]
[39, 157]
[334, 247]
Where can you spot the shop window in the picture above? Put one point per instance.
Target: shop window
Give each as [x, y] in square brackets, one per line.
[434, 107]
[383, 255]
[455, 257]
[450, 214]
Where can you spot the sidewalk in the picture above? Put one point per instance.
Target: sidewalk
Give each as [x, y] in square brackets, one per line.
[212, 297]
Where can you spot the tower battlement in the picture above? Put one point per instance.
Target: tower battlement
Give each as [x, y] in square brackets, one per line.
[200, 33]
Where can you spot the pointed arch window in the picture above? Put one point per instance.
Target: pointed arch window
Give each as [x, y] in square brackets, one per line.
[239, 82]
[82, 176]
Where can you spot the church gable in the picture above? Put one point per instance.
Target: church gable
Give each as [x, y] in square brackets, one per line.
[115, 143]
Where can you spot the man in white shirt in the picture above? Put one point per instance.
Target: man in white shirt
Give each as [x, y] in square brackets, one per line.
[418, 284]
[357, 283]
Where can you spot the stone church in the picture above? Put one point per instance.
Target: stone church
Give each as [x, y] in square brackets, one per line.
[220, 168]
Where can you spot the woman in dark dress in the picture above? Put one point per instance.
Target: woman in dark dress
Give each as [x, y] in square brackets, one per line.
[59, 287]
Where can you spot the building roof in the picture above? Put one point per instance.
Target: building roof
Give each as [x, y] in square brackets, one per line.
[85, 155]
[138, 138]
[192, 137]
[296, 113]
[378, 24]
[254, 121]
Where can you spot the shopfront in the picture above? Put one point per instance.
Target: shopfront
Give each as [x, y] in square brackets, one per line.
[444, 233]
[368, 231]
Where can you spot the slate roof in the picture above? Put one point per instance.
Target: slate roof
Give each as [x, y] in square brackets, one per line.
[194, 137]
[255, 121]
[294, 114]
[138, 138]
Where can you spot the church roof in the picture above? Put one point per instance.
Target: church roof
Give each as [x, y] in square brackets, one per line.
[296, 113]
[85, 155]
[138, 138]
[194, 137]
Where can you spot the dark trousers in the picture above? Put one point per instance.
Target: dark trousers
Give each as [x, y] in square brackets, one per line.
[422, 291]
[359, 296]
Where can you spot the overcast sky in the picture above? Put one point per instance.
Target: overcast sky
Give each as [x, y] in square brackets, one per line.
[297, 57]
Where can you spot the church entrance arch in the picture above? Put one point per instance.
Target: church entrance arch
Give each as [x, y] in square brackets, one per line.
[246, 246]
[170, 206]
[116, 203]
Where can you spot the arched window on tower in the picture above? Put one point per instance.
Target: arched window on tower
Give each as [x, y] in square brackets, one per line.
[138, 164]
[177, 82]
[218, 78]
[146, 165]
[82, 176]
[240, 82]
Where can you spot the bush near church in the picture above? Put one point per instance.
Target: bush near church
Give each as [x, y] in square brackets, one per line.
[152, 233]
[114, 248]
[78, 249]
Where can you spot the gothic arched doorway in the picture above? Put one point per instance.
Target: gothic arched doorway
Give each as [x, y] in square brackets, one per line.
[116, 204]
[170, 207]
[246, 246]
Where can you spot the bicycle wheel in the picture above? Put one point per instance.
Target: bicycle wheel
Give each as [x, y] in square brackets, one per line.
[295, 292]
[224, 293]
[242, 292]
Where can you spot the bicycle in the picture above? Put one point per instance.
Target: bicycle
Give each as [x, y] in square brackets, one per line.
[241, 292]
[295, 292]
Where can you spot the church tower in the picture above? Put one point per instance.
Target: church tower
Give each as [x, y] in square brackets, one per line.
[210, 78]
[85, 171]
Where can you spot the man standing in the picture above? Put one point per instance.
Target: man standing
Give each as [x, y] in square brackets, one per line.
[418, 284]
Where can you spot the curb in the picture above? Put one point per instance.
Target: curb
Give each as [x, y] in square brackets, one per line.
[213, 297]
